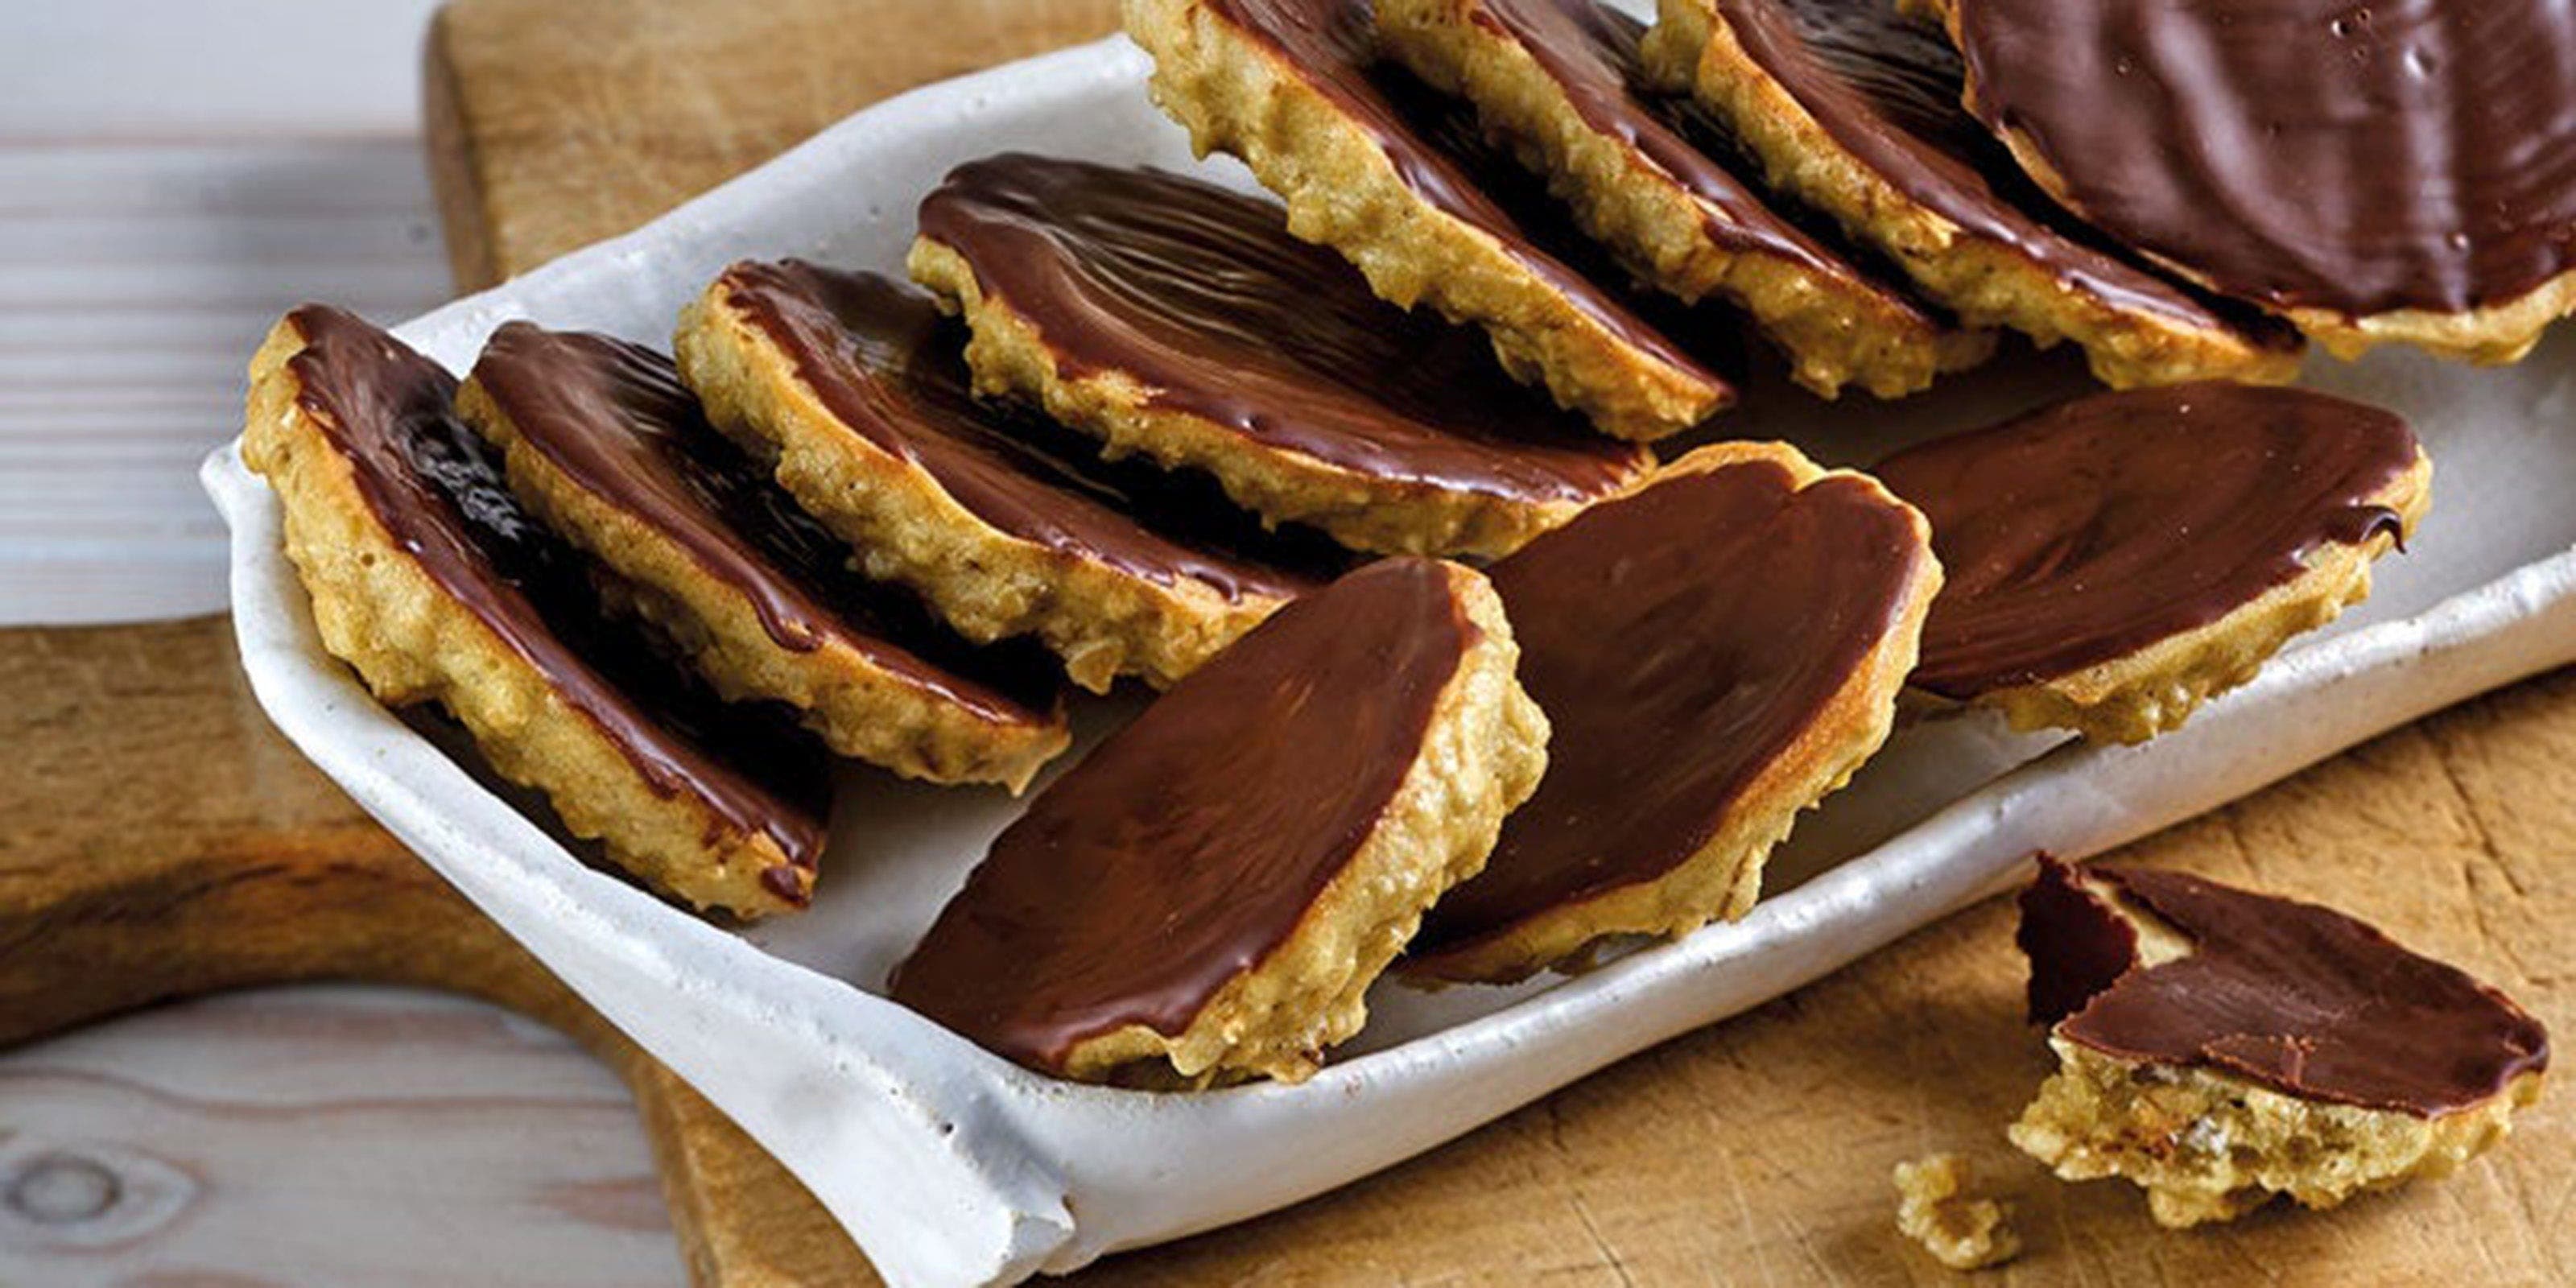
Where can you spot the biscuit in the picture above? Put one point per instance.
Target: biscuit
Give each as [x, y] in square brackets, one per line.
[601, 442]
[1178, 320]
[2381, 175]
[2117, 560]
[1715, 652]
[853, 386]
[1935, 1210]
[1293, 88]
[1855, 110]
[430, 582]
[1650, 176]
[1207, 896]
[2220, 1047]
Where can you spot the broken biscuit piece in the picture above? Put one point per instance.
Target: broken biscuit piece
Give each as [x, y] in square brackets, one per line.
[2115, 560]
[856, 389]
[1855, 110]
[1180, 321]
[1935, 1210]
[603, 442]
[1207, 896]
[1649, 175]
[2220, 1047]
[1296, 90]
[1716, 652]
[429, 579]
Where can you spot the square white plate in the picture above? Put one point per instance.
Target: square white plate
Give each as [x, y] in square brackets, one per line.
[953, 1167]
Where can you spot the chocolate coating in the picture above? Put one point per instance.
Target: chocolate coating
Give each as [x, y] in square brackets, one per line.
[2294, 997]
[1887, 90]
[1330, 44]
[1201, 295]
[437, 490]
[2086, 531]
[890, 367]
[1185, 849]
[615, 420]
[1681, 639]
[2358, 158]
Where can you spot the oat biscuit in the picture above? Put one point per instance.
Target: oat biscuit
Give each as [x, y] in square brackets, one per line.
[1207, 896]
[429, 580]
[1294, 88]
[601, 441]
[2116, 560]
[1855, 110]
[1179, 321]
[856, 389]
[1959, 1230]
[1649, 175]
[2221, 1047]
[1715, 652]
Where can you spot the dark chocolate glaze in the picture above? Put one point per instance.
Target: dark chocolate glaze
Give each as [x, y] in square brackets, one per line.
[1202, 296]
[1185, 849]
[2292, 996]
[2359, 158]
[1680, 640]
[2091, 529]
[1330, 43]
[614, 420]
[437, 489]
[892, 369]
[1887, 90]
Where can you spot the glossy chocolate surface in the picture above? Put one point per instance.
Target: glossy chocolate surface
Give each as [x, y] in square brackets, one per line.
[1887, 90]
[613, 418]
[2352, 157]
[1185, 849]
[892, 369]
[438, 490]
[1329, 43]
[1201, 295]
[2289, 995]
[1680, 640]
[2089, 530]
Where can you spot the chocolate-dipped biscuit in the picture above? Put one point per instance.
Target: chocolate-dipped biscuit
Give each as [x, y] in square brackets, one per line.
[1179, 320]
[429, 580]
[2117, 559]
[1715, 652]
[1295, 89]
[1856, 110]
[2389, 172]
[856, 388]
[2220, 1046]
[604, 443]
[1653, 177]
[1208, 894]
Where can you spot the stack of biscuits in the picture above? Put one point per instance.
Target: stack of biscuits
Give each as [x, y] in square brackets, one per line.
[1461, 675]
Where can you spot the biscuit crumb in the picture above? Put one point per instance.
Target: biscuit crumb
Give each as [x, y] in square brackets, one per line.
[1934, 1210]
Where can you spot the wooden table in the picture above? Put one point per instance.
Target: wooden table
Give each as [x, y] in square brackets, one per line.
[1754, 1152]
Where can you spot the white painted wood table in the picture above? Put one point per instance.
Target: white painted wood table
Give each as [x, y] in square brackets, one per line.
[173, 175]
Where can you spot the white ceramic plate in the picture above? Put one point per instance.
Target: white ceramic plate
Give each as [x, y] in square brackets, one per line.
[953, 1167]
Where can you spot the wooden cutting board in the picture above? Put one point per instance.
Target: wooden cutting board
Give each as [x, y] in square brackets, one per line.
[157, 839]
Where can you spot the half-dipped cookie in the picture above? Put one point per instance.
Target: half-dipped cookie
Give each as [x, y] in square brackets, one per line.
[428, 578]
[856, 389]
[2218, 1047]
[1180, 321]
[1715, 653]
[2116, 560]
[1209, 893]
[1651, 177]
[1294, 88]
[2375, 173]
[1855, 109]
[603, 443]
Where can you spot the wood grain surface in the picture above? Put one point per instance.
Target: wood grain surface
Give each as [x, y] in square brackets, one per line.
[1754, 1152]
